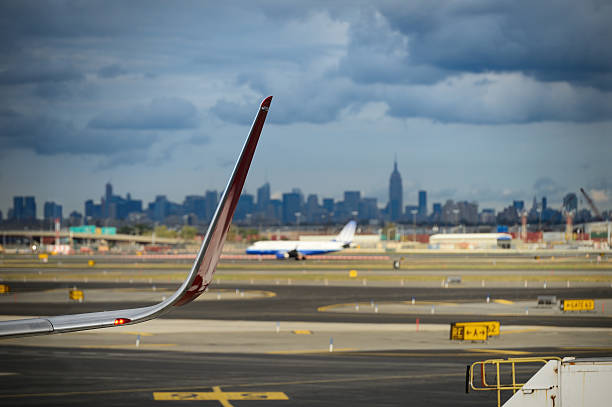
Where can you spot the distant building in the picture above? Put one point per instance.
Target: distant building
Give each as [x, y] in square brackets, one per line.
[436, 214]
[263, 197]
[450, 213]
[368, 209]
[312, 209]
[351, 201]
[291, 207]
[245, 207]
[396, 194]
[195, 205]
[328, 205]
[51, 211]
[422, 205]
[411, 212]
[212, 199]
[519, 206]
[468, 212]
[160, 208]
[18, 208]
[29, 209]
[487, 216]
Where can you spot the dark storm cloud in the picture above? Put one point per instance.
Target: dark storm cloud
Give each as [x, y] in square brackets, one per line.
[39, 73]
[561, 41]
[469, 62]
[163, 114]
[49, 136]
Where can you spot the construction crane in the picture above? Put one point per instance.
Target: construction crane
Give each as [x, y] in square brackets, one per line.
[591, 203]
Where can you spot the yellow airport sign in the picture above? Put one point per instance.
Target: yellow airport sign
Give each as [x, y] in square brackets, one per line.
[302, 332]
[76, 295]
[353, 273]
[91, 263]
[4, 289]
[43, 256]
[577, 305]
[467, 331]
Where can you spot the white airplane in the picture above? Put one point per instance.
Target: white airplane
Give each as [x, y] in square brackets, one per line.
[285, 249]
[198, 279]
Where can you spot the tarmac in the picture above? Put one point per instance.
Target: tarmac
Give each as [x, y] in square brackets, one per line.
[293, 343]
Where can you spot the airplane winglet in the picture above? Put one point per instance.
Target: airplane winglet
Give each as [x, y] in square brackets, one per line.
[198, 279]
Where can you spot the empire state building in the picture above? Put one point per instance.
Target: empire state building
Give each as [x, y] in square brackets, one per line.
[395, 194]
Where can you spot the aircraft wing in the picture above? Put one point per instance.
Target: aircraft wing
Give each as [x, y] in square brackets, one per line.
[197, 280]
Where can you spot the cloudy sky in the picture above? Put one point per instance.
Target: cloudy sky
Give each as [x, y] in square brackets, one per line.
[479, 100]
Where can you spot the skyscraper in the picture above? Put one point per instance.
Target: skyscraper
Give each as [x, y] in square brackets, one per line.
[29, 208]
[395, 194]
[17, 208]
[263, 197]
[422, 204]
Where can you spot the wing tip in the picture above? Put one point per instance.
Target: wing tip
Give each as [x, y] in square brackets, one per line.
[266, 103]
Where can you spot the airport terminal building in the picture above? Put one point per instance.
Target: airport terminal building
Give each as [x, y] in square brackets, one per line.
[470, 241]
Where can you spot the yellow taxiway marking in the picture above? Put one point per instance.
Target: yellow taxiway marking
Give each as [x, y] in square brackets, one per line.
[519, 331]
[221, 396]
[501, 351]
[302, 332]
[504, 302]
[298, 352]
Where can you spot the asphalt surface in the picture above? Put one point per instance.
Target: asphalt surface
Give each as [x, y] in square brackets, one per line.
[65, 377]
[300, 303]
[49, 376]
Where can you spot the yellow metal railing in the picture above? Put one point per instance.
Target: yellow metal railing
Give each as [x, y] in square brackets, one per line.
[498, 386]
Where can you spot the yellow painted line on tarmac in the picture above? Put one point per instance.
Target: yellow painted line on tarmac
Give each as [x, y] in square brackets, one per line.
[519, 331]
[299, 352]
[129, 346]
[504, 302]
[221, 396]
[501, 351]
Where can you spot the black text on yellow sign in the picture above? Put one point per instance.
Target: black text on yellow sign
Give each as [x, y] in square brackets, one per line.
[471, 331]
[4, 289]
[577, 305]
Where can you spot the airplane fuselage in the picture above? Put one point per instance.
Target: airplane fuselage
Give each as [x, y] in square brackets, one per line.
[280, 247]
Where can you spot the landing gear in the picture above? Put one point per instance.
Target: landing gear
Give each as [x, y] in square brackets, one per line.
[294, 254]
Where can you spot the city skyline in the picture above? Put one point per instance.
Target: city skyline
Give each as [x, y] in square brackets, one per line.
[517, 105]
[296, 207]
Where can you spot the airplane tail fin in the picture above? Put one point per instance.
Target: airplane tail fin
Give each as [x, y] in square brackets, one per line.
[347, 233]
